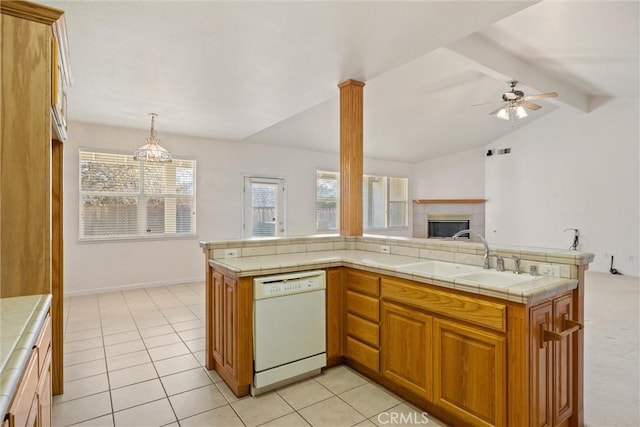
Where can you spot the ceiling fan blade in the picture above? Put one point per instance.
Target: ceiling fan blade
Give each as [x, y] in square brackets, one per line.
[530, 105]
[486, 103]
[541, 96]
[496, 111]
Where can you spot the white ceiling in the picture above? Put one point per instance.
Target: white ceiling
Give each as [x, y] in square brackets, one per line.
[267, 72]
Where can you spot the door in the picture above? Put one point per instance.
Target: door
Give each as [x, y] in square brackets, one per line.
[264, 207]
[469, 373]
[562, 361]
[230, 328]
[541, 370]
[218, 317]
[407, 349]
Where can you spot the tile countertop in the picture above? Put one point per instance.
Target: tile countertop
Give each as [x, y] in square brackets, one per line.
[532, 290]
[21, 319]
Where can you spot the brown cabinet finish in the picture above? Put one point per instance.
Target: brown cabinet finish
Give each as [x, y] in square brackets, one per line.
[335, 316]
[407, 343]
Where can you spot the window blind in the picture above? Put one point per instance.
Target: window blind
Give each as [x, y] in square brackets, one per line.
[327, 190]
[123, 198]
[398, 202]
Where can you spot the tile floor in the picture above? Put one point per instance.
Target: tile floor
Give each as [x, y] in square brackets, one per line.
[134, 358]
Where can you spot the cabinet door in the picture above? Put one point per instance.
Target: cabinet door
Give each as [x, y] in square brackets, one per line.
[229, 345]
[44, 395]
[562, 361]
[218, 316]
[335, 314]
[540, 367]
[406, 348]
[469, 377]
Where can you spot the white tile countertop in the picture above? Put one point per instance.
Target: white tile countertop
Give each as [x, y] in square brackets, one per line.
[21, 319]
[527, 290]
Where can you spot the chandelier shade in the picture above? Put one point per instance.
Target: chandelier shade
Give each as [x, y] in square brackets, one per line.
[152, 151]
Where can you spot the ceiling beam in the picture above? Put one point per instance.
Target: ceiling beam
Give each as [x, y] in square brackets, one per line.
[489, 59]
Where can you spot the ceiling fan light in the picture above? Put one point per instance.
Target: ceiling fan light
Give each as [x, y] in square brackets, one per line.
[503, 114]
[521, 112]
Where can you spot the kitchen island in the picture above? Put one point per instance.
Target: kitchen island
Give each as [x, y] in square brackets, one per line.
[422, 318]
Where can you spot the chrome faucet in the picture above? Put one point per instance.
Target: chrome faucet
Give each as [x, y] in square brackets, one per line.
[516, 260]
[482, 239]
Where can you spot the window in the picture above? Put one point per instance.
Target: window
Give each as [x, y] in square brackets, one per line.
[122, 198]
[264, 207]
[384, 201]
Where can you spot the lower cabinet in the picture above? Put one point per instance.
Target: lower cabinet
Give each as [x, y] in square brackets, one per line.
[362, 296]
[407, 345]
[469, 373]
[335, 317]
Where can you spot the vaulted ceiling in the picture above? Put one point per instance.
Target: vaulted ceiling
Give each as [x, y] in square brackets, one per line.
[267, 72]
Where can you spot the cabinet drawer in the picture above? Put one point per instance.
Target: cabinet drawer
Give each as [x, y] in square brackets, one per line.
[362, 305]
[43, 344]
[489, 314]
[363, 330]
[365, 283]
[362, 353]
[24, 397]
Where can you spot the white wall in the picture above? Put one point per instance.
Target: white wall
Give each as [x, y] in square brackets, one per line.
[221, 167]
[570, 170]
[457, 176]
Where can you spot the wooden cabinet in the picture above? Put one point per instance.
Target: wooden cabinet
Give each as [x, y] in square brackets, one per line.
[362, 293]
[31, 160]
[552, 361]
[31, 405]
[335, 316]
[406, 349]
[229, 337]
[469, 373]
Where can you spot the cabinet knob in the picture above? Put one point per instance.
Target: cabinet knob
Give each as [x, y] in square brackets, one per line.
[569, 327]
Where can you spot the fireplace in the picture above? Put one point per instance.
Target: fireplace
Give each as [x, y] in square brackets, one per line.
[440, 226]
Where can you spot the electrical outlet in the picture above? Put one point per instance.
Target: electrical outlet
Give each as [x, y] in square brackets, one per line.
[385, 249]
[231, 253]
[549, 270]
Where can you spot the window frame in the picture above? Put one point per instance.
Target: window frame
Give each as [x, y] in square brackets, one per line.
[141, 196]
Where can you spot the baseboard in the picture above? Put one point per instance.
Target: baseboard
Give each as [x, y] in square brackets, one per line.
[72, 293]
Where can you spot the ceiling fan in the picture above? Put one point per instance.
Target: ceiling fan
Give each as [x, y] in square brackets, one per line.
[515, 103]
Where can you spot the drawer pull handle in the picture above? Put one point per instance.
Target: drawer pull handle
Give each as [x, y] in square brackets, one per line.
[569, 327]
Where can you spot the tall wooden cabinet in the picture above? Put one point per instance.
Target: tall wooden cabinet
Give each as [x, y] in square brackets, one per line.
[34, 78]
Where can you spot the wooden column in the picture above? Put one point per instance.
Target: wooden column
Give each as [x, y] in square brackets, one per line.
[57, 268]
[351, 157]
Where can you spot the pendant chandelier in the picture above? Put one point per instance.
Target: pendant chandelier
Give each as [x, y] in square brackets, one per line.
[152, 151]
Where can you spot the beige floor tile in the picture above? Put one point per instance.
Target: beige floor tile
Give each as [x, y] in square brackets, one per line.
[148, 323]
[103, 421]
[196, 401]
[213, 375]
[82, 335]
[162, 340]
[85, 408]
[179, 318]
[332, 412]
[118, 328]
[167, 351]
[132, 375]
[136, 394]
[201, 357]
[76, 327]
[292, 420]
[81, 345]
[195, 345]
[157, 413]
[121, 337]
[228, 394]
[192, 334]
[224, 416]
[176, 364]
[83, 356]
[365, 423]
[187, 380]
[340, 379]
[189, 324]
[259, 410]
[369, 399]
[83, 370]
[124, 348]
[155, 331]
[127, 360]
[402, 415]
[304, 393]
[82, 387]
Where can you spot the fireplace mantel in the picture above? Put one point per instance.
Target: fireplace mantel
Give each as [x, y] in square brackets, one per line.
[452, 201]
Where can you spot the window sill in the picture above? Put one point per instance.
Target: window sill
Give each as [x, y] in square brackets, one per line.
[137, 238]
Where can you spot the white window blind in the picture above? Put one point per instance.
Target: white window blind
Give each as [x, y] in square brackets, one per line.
[398, 202]
[327, 191]
[374, 201]
[122, 198]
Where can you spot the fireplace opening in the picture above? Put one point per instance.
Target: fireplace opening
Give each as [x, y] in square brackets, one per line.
[440, 226]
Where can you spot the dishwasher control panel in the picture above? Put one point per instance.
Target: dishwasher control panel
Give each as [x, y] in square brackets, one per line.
[285, 284]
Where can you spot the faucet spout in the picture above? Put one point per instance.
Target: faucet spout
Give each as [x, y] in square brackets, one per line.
[482, 239]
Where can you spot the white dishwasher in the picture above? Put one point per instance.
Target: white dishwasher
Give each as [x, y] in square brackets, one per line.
[289, 324]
